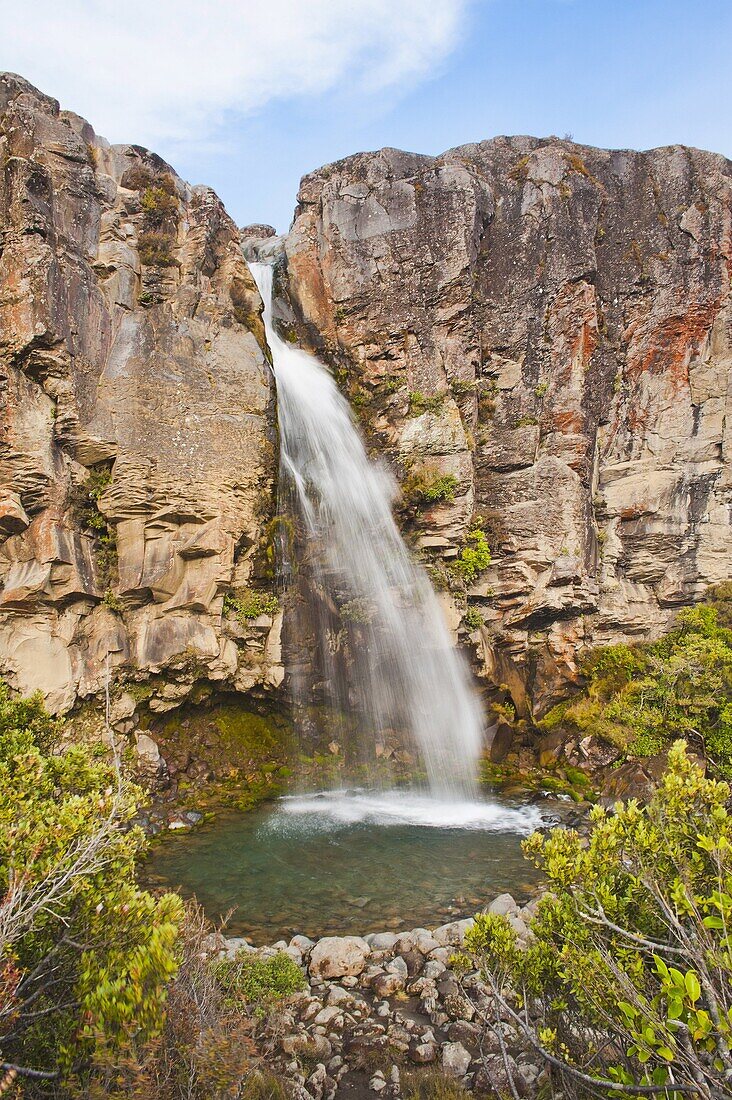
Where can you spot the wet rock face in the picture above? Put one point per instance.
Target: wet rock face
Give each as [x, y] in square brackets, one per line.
[552, 326]
[137, 457]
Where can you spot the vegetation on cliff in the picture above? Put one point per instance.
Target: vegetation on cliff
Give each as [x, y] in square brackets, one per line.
[643, 697]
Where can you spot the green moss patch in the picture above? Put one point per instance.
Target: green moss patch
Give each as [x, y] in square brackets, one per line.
[226, 754]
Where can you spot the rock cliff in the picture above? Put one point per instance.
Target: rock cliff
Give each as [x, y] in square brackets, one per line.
[536, 335]
[549, 328]
[138, 449]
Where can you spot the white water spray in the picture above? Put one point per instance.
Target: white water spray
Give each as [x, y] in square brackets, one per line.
[330, 810]
[407, 676]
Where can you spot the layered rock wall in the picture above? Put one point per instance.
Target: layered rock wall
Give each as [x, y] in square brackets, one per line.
[138, 448]
[546, 326]
[551, 325]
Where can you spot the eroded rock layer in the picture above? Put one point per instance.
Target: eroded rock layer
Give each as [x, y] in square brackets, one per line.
[137, 457]
[549, 327]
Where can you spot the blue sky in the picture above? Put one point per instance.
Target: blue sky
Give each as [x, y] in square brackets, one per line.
[248, 96]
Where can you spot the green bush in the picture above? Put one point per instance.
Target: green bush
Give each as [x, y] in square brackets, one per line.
[248, 604]
[629, 970]
[420, 403]
[113, 602]
[260, 981]
[159, 206]
[643, 697]
[84, 503]
[427, 486]
[461, 388]
[85, 955]
[474, 557]
[473, 618]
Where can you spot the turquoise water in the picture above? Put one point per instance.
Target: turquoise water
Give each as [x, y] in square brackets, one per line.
[349, 862]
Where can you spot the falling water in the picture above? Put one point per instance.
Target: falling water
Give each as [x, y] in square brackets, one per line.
[407, 674]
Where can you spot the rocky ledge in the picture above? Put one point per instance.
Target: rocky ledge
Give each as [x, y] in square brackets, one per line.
[384, 1004]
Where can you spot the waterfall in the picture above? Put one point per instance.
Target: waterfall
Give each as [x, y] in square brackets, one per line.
[406, 675]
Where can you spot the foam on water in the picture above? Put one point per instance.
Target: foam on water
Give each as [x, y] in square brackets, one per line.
[328, 810]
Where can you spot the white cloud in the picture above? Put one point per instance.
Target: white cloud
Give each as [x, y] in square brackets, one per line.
[167, 71]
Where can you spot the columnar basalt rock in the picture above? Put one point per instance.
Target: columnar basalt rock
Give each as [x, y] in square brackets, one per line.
[138, 448]
[552, 325]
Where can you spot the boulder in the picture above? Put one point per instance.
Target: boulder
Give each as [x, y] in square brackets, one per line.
[338, 957]
[381, 941]
[500, 741]
[550, 748]
[455, 1059]
[386, 985]
[453, 934]
[503, 905]
[423, 1053]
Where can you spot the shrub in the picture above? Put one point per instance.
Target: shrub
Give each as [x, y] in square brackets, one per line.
[629, 972]
[85, 955]
[141, 176]
[459, 387]
[473, 618]
[474, 557]
[246, 605]
[576, 164]
[155, 248]
[160, 213]
[84, 502]
[719, 596]
[159, 207]
[486, 405]
[390, 385]
[112, 601]
[84, 498]
[205, 1051]
[420, 403]
[427, 486]
[258, 980]
[520, 170]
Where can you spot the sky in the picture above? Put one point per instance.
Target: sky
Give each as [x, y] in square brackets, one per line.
[249, 95]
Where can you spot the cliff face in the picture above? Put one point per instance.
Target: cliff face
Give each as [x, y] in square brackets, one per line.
[546, 328]
[552, 325]
[138, 436]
